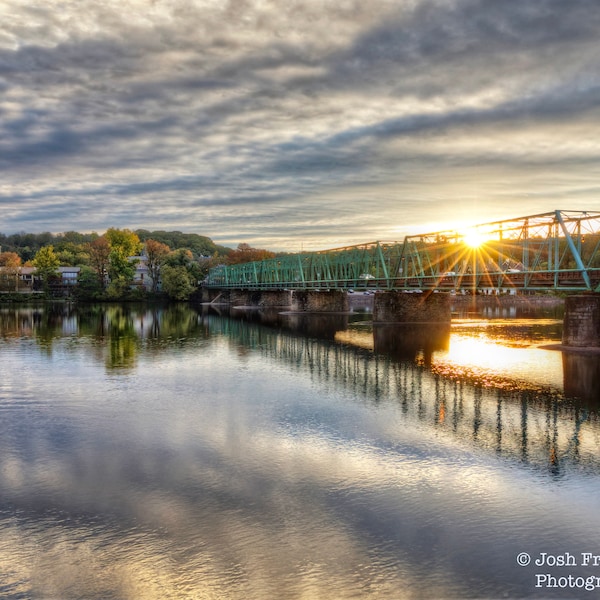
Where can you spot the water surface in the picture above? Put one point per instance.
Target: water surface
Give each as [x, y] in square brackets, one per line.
[181, 453]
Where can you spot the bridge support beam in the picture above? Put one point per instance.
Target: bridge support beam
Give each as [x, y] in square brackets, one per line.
[581, 324]
[400, 307]
[320, 301]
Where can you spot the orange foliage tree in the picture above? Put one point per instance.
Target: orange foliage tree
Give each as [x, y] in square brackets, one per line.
[245, 253]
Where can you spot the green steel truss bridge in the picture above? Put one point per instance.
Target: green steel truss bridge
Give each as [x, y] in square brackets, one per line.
[558, 250]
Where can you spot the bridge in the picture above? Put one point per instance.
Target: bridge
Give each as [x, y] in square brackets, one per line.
[558, 250]
[554, 251]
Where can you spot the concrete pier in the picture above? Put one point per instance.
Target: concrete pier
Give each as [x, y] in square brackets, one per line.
[320, 301]
[400, 307]
[291, 300]
[581, 325]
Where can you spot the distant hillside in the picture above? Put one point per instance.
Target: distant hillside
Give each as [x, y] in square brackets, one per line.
[199, 245]
[26, 245]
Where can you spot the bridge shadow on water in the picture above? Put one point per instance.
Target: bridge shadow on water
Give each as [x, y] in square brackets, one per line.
[534, 423]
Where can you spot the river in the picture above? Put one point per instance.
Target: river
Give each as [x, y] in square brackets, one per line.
[195, 453]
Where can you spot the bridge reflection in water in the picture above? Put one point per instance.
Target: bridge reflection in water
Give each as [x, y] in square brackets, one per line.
[540, 425]
[550, 420]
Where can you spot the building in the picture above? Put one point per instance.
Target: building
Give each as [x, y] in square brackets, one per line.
[24, 279]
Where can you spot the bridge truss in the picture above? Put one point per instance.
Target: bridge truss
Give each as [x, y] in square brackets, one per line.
[558, 250]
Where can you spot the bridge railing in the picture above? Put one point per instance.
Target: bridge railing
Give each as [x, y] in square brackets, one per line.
[558, 250]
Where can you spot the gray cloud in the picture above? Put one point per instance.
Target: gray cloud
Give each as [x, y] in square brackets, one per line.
[257, 123]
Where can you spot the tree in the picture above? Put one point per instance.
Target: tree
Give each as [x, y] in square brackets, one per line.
[89, 287]
[11, 263]
[10, 259]
[155, 253]
[245, 253]
[198, 244]
[99, 251]
[123, 245]
[124, 240]
[71, 253]
[177, 282]
[179, 258]
[46, 264]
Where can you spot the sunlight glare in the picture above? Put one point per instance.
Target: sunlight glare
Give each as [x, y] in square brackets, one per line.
[483, 358]
[473, 238]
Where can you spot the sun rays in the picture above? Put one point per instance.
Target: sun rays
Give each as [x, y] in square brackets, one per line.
[473, 238]
[474, 258]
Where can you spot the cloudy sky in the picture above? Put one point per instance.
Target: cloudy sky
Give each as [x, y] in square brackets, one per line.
[296, 124]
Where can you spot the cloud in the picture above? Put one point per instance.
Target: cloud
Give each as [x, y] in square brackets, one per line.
[185, 107]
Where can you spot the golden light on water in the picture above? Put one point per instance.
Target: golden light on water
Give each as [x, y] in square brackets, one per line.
[352, 337]
[489, 353]
[492, 360]
[466, 350]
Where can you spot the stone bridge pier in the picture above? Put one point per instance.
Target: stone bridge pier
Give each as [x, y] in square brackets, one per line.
[388, 306]
[400, 307]
[320, 301]
[292, 300]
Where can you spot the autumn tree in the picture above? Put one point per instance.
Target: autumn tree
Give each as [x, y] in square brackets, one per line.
[99, 252]
[245, 253]
[11, 266]
[10, 259]
[156, 253]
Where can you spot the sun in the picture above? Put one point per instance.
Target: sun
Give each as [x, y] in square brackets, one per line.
[473, 238]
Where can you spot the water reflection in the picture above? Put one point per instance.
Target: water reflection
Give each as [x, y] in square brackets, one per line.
[493, 355]
[529, 420]
[582, 377]
[120, 331]
[172, 453]
[411, 342]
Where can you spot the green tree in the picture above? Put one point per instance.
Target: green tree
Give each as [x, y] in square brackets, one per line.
[89, 287]
[181, 257]
[123, 244]
[177, 282]
[71, 253]
[46, 264]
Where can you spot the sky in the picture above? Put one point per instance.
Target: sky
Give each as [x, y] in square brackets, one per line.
[298, 124]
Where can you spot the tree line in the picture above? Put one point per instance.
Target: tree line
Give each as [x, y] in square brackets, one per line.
[175, 260]
[71, 246]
